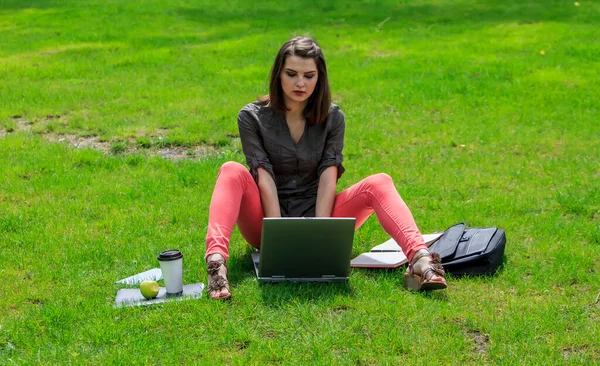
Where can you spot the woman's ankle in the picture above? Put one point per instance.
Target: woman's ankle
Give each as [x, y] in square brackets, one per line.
[422, 262]
[216, 257]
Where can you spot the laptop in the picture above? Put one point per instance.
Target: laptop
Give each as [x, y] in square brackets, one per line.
[305, 249]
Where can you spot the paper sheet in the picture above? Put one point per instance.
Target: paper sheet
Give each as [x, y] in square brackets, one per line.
[154, 274]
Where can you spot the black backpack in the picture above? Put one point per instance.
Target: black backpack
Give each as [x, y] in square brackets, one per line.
[470, 251]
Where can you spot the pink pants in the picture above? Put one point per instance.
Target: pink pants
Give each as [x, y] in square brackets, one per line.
[236, 199]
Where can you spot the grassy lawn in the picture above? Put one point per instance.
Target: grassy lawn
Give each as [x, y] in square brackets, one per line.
[482, 111]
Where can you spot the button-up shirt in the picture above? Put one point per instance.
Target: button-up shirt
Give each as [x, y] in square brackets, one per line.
[295, 167]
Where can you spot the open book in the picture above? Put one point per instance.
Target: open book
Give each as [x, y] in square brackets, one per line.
[388, 254]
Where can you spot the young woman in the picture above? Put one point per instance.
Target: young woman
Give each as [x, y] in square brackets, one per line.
[293, 140]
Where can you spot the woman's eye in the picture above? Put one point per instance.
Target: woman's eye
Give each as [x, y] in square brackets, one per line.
[290, 74]
[309, 76]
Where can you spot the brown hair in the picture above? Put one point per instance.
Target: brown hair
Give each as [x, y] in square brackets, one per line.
[317, 108]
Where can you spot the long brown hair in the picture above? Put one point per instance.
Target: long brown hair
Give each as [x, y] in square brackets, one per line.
[317, 108]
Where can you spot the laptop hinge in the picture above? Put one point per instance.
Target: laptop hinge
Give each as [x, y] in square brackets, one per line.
[328, 276]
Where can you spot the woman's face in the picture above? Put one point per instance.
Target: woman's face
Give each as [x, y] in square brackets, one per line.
[298, 79]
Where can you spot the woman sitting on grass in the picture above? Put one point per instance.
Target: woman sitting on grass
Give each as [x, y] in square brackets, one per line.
[293, 140]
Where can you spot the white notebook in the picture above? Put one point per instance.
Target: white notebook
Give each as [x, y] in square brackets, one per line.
[133, 297]
[388, 254]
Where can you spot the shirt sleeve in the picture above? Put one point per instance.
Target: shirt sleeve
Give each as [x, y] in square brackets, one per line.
[252, 144]
[334, 144]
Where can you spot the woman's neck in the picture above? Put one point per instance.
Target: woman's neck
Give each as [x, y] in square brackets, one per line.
[295, 110]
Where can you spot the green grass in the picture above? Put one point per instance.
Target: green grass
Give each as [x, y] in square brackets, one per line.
[451, 98]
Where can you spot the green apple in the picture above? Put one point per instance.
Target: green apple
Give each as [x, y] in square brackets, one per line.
[149, 289]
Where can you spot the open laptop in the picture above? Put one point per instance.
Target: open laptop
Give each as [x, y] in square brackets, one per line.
[305, 249]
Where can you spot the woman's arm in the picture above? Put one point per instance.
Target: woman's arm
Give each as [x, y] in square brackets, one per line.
[268, 194]
[326, 192]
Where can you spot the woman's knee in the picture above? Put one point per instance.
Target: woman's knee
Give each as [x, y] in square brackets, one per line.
[232, 168]
[379, 180]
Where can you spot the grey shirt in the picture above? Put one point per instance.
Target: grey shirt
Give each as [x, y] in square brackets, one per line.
[295, 168]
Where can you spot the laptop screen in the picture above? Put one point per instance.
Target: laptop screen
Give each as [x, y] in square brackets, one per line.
[306, 248]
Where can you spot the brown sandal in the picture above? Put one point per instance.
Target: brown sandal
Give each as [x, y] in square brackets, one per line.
[425, 280]
[216, 282]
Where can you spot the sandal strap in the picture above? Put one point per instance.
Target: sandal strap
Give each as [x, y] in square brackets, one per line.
[420, 255]
[435, 265]
[215, 266]
[216, 282]
[414, 260]
[427, 273]
[219, 282]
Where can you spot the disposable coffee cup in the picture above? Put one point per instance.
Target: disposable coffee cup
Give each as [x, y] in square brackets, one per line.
[171, 267]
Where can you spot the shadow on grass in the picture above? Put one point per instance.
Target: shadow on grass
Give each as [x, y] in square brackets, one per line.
[257, 18]
[397, 275]
[26, 4]
[451, 280]
[283, 16]
[278, 294]
[365, 14]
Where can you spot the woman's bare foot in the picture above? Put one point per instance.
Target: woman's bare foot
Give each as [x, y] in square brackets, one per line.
[218, 286]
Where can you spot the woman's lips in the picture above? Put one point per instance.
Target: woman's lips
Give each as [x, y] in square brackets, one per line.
[297, 92]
